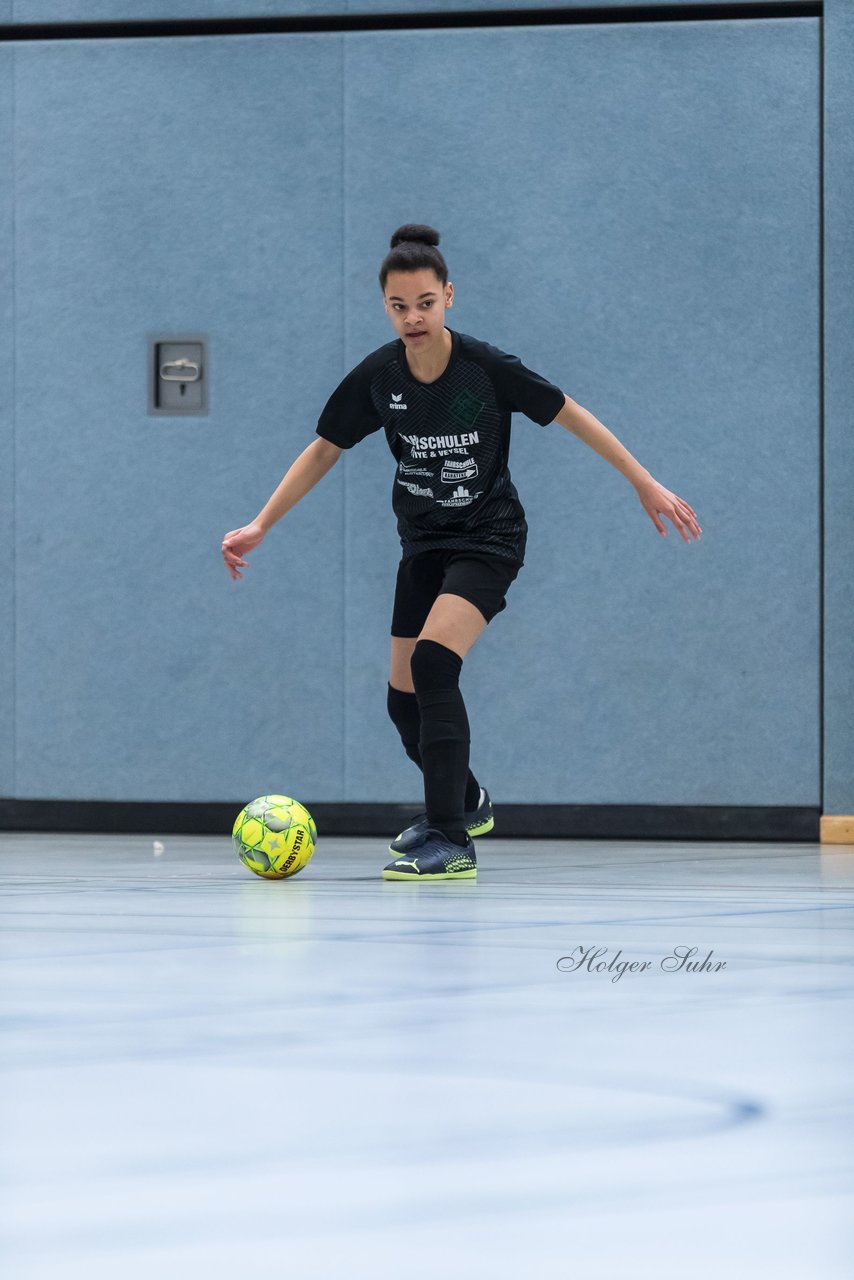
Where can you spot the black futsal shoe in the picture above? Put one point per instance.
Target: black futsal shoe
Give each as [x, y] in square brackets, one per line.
[435, 858]
[476, 824]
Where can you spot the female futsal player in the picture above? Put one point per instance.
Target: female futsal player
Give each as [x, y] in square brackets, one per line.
[444, 400]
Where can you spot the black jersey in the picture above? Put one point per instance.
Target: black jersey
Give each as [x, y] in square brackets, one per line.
[451, 440]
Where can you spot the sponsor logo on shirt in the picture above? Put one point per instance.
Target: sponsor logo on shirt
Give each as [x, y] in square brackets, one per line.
[442, 442]
[413, 471]
[459, 498]
[454, 469]
[415, 489]
[395, 401]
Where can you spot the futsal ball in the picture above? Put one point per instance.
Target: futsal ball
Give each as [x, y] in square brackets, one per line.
[274, 836]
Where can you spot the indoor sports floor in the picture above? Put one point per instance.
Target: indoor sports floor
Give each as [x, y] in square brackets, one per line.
[209, 1075]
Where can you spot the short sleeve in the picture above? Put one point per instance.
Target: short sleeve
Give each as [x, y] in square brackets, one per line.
[521, 390]
[349, 414]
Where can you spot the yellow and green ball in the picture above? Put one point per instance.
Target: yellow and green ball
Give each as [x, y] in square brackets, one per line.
[274, 836]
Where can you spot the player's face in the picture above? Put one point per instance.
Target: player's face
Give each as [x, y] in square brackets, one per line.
[416, 302]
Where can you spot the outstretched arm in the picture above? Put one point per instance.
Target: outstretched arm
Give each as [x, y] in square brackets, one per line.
[653, 496]
[311, 466]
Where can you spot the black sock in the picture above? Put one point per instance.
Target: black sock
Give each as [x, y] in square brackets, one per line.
[404, 713]
[444, 738]
[457, 837]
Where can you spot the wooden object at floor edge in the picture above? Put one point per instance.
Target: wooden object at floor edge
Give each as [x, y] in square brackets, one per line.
[837, 829]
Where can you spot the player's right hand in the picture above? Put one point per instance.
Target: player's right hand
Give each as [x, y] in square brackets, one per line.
[237, 543]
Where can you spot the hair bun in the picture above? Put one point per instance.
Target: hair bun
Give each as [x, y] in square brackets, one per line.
[413, 232]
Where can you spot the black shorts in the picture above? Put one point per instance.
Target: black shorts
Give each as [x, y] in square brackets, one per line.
[479, 578]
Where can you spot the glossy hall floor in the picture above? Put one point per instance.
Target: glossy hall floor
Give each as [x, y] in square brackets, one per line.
[336, 1077]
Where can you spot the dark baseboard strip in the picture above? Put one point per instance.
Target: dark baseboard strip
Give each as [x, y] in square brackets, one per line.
[513, 821]
[407, 20]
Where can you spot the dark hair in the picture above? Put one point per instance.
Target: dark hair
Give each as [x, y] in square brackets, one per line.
[413, 247]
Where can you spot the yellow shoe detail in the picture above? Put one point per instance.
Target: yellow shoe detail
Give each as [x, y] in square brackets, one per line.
[390, 874]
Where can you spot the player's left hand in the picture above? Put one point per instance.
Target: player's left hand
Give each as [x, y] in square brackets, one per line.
[655, 498]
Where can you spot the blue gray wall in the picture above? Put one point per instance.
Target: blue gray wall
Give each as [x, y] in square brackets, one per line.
[633, 209]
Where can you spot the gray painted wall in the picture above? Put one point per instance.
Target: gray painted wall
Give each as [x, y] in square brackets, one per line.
[632, 209]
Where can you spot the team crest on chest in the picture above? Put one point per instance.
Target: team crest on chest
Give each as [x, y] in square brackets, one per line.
[466, 407]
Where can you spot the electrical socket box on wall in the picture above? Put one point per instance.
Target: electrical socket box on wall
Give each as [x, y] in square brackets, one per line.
[178, 375]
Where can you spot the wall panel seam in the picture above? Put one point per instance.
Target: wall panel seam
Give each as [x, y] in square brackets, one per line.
[345, 563]
[14, 433]
[821, 444]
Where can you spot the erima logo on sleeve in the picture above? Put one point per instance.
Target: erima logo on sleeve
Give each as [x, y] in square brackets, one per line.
[395, 401]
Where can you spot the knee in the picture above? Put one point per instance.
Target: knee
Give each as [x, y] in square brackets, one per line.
[402, 706]
[404, 713]
[434, 666]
